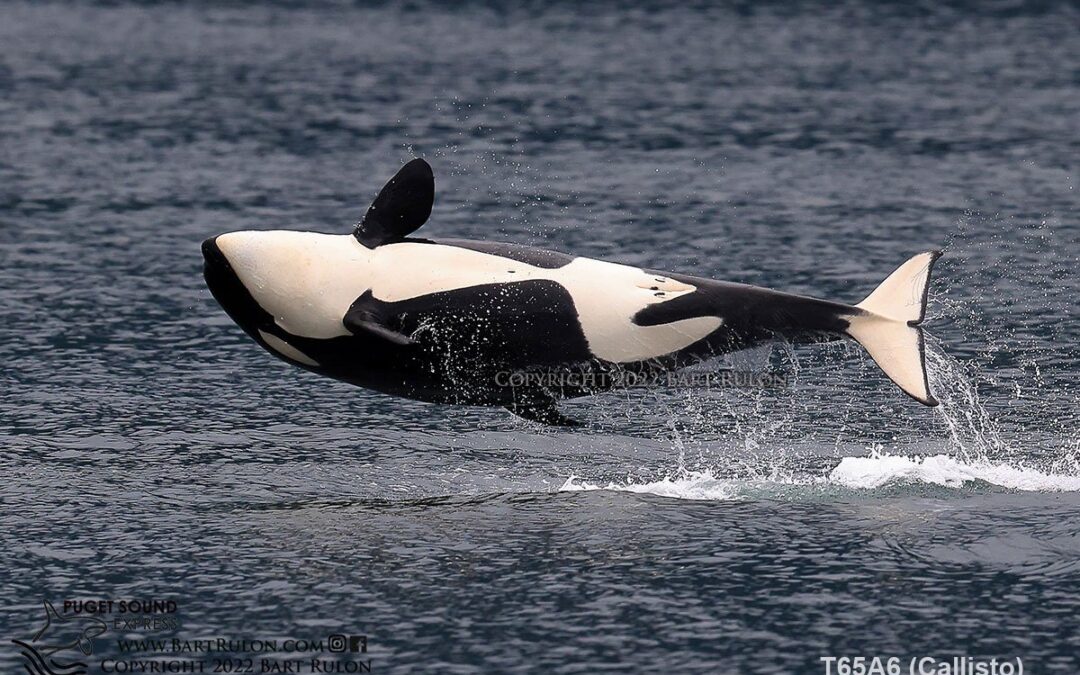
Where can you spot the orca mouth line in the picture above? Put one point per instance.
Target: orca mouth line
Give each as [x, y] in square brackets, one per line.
[227, 289]
[212, 252]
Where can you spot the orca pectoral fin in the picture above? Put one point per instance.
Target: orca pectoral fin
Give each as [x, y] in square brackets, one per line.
[543, 410]
[402, 206]
[358, 324]
[363, 317]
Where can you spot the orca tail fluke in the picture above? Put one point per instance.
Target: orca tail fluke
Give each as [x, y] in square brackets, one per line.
[888, 326]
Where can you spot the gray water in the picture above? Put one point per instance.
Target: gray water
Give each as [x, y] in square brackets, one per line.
[150, 451]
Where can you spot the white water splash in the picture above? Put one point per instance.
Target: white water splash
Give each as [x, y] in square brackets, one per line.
[877, 471]
[977, 456]
[967, 421]
[688, 485]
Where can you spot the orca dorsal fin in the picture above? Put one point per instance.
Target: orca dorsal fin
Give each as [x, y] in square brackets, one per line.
[403, 205]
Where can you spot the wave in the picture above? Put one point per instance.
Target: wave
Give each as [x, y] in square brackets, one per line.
[686, 485]
[861, 474]
[879, 470]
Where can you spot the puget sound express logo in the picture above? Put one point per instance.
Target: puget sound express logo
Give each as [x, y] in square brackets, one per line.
[118, 636]
[57, 647]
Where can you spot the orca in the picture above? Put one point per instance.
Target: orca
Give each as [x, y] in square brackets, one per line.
[445, 320]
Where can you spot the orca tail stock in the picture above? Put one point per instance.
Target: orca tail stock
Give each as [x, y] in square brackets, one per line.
[888, 326]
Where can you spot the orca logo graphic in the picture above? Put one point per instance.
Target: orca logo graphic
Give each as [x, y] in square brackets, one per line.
[42, 654]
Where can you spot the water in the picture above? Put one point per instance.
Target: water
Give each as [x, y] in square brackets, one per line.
[151, 451]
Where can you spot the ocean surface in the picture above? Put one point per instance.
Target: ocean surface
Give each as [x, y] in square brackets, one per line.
[151, 452]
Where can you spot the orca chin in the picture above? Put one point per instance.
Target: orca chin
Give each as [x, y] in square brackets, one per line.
[230, 292]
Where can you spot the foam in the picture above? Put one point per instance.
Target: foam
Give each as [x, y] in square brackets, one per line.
[685, 485]
[879, 470]
[863, 474]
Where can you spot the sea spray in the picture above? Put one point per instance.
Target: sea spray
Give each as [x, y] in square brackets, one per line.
[969, 425]
[975, 453]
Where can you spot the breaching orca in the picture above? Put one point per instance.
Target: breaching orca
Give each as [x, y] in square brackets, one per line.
[446, 320]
